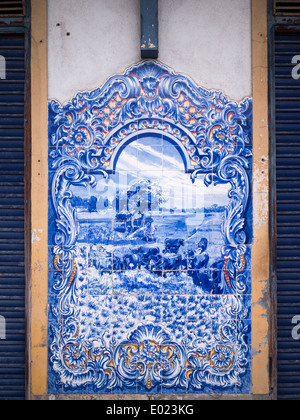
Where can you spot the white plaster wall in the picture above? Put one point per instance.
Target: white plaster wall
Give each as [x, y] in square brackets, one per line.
[207, 40]
[210, 41]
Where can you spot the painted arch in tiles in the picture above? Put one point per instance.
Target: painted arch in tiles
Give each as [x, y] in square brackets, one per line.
[150, 238]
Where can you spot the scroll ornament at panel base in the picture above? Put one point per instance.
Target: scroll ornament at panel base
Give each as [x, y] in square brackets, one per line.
[150, 238]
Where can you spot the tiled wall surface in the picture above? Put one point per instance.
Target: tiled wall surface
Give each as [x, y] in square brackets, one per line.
[150, 234]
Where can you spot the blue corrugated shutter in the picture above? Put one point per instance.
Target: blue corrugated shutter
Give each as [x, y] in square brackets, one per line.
[12, 277]
[287, 99]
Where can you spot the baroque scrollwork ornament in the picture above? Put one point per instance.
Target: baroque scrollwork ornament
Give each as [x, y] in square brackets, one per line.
[210, 351]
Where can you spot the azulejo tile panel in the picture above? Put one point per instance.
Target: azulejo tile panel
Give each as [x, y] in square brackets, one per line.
[150, 234]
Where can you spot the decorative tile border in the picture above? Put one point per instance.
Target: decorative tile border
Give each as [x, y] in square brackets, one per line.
[145, 295]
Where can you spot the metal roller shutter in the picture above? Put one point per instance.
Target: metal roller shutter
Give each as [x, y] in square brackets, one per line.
[12, 277]
[286, 7]
[287, 100]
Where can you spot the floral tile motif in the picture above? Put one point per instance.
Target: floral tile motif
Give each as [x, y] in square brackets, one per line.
[150, 238]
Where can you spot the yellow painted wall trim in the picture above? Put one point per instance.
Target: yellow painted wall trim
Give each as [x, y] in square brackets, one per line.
[260, 249]
[39, 201]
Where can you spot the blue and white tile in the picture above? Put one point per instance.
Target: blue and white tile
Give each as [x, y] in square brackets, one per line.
[144, 255]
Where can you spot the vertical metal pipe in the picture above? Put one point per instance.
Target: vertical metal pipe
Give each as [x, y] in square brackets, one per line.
[149, 29]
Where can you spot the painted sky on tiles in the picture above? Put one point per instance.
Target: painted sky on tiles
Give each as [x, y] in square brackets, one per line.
[150, 238]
